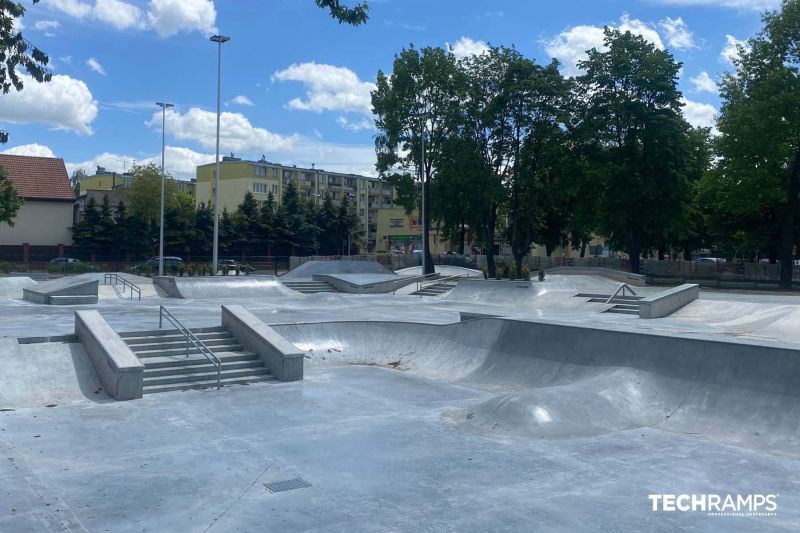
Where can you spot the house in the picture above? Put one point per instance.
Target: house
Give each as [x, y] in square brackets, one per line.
[45, 217]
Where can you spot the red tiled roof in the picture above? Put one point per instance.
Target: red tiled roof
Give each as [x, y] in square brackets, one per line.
[38, 178]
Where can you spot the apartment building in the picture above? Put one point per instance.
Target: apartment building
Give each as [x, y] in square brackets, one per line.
[104, 180]
[368, 196]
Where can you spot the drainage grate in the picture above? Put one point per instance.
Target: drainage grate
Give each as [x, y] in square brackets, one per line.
[289, 484]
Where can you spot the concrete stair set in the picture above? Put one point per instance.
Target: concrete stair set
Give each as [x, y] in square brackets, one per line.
[622, 305]
[435, 289]
[167, 367]
[309, 286]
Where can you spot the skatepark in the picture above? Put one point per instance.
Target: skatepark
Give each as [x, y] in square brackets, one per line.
[384, 399]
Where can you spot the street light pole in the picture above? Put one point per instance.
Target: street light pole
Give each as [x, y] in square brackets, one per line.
[163, 107]
[219, 39]
[422, 179]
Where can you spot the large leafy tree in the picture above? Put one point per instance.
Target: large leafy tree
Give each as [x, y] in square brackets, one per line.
[9, 201]
[143, 200]
[355, 16]
[759, 141]
[630, 128]
[413, 107]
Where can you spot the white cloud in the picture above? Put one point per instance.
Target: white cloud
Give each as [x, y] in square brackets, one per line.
[731, 51]
[73, 8]
[64, 103]
[328, 88]
[744, 5]
[179, 162]
[46, 24]
[33, 149]
[467, 46]
[704, 83]
[119, 14]
[570, 46]
[677, 33]
[355, 126]
[240, 100]
[237, 134]
[95, 65]
[168, 17]
[165, 17]
[698, 114]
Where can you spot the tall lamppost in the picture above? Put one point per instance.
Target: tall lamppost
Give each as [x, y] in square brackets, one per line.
[220, 40]
[163, 107]
[423, 180]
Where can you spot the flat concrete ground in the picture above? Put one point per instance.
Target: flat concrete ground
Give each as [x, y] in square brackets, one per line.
[379, 452]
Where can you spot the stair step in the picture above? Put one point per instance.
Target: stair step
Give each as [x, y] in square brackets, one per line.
[181, 350]
[207, 367]
[207, 384]
[177, 337]
[205, 376]
[158, 361]
[159, 332]
[622, 311]
[626, 306]
[176, 344]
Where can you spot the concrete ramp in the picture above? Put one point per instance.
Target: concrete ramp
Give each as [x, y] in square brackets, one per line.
[11, 286]
[46, 373]
[69, 290]
[558, 380]
[311, 268]
[221, 287]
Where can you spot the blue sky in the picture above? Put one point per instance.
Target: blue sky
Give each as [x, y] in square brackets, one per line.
[295, 83]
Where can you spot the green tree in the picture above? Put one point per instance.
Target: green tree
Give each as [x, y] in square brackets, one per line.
[16, 51]
[759, 143]
[75, 180]
[86, 232]
[9, 201]
[179, 225]
[348, 228]
[248, 226]
[269, 228]
[355, 16]
[143, 199]
[327, 222]
[413, 107]
[630, 128]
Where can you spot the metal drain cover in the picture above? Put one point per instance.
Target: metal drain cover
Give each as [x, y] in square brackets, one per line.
[289, 484]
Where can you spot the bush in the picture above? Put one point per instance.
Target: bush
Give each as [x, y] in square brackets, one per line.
[498, 271]
[512, 271]
[541, 273]
[5, 267]
[485, 270]
[526, 273]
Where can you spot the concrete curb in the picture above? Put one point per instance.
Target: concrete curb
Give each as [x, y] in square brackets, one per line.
[120, 371]
[284, 359]
[667, 302]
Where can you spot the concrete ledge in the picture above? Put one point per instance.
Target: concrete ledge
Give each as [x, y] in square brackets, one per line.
[63, 291]
[284, 359]
[120, 371]
[638, 280]
[667, 302]
[364, 283]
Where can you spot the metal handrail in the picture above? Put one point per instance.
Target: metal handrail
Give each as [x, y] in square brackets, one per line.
[623, 287]
[116, 279]
[191, 338]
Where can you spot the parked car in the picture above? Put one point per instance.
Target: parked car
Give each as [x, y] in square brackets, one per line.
[231, 264]
[70, 264]
[171, 264]
[709, 260]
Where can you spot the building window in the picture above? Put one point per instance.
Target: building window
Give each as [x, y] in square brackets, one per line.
[387, 201]
[274, 172]
[260, 188]
[260, 171]
[362, 198]
[361, 213]
[275, 188]
[396, 223]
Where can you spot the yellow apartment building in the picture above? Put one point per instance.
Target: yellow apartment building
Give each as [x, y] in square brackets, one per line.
[104, 180]
[368, 196]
